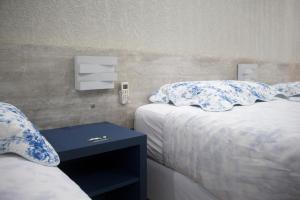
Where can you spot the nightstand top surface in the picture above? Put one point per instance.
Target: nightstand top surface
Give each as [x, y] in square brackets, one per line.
[77, 137]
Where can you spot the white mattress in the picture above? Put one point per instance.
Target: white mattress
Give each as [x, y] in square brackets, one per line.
[149, 119]
[25, 180]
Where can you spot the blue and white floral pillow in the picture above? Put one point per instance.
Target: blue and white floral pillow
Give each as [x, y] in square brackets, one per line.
[214, 96]
[288, 89]
[18, 135]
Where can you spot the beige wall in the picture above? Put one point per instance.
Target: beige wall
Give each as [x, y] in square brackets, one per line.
[156, 42]
[297, 32]
[256, 29]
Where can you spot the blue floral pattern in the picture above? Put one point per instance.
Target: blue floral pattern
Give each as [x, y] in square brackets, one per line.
[18, 135]
[214, 96]
[288, 89]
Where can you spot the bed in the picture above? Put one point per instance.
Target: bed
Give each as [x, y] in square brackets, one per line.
[250, 152]
[23, 179]
[28, 162]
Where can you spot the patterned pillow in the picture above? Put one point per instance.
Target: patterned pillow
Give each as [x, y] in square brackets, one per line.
[214, 96]
[288, 89]
[18, 135]
[161, 96]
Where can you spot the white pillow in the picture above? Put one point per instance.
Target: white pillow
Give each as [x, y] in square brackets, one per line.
[288, 89]
[18, 135]
[214, 95]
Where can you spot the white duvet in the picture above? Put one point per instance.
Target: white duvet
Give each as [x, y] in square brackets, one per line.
[248, 153]
[24, 180]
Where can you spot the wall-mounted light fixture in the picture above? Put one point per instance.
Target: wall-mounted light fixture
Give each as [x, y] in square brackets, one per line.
[247, 72]
[95, 72]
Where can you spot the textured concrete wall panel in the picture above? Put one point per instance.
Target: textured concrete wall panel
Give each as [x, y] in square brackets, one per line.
[40, 80]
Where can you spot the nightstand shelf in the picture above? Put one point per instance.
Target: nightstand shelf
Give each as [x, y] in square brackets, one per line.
[104, 181]
[109, 169]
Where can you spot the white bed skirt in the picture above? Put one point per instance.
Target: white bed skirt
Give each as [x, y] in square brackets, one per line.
[167, 184]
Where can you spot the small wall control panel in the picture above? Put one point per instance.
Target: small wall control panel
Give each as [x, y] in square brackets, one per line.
[124, 93]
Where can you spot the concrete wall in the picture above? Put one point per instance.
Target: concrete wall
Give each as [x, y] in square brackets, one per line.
[40, 80]
[156, 42]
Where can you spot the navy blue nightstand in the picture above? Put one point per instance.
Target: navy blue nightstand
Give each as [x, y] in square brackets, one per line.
[105, 160]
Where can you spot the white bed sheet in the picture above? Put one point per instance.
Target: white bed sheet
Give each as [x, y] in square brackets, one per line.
[25, 180]
[149, 119]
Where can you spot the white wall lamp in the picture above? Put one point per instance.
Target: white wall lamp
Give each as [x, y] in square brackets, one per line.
[247, 72]
[95, 72]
